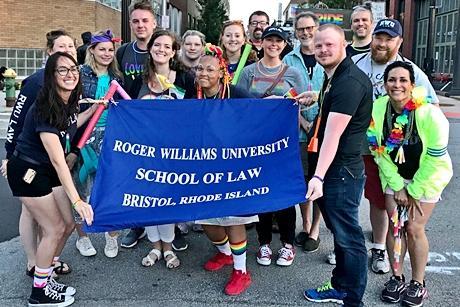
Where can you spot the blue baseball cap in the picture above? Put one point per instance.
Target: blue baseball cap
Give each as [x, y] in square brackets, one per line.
[389, 26]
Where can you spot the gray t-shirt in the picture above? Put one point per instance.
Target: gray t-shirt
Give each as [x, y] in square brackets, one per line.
[256, 78]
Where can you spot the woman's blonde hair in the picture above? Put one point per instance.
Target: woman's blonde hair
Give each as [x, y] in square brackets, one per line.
[91, 62]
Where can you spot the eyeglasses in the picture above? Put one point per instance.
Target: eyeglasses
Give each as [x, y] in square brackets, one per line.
[63, 71]
[261, 23]
[309, 29]
[209, 69]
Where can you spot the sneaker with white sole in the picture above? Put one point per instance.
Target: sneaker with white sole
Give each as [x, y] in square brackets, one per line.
[415, 294]
[330, 258]
[85, 247]
[48, 297]
[264, 255]
[379, 263]
[325, 294]
[111, 246]
[61, 288]
[286, 255]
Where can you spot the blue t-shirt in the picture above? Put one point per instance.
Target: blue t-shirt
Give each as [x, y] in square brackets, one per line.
[29, 142]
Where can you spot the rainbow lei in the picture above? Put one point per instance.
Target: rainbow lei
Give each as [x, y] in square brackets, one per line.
[396, 137]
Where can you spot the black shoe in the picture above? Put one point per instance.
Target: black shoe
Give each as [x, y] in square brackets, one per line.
[311, 245]
[179, 243]
[301, 238]
[133, 236]
[394, 289]
[48, 297]
[415, 294]
[61, 288]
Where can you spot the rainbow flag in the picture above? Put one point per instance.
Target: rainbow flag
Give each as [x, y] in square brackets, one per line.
[291, 93]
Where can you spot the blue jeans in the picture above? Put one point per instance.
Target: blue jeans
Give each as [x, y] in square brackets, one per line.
[342, 191]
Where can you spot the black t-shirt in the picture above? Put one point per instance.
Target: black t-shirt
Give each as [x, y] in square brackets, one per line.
[236, 92]
[29, 142]
[131, 60]
[310, 61]
[184, 79]
[350, 93]
[351, 51]
[412, 150]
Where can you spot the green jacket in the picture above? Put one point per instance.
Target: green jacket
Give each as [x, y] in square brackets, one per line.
[435, 168]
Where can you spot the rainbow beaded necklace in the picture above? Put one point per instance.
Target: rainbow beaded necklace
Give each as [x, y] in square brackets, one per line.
[398, 137]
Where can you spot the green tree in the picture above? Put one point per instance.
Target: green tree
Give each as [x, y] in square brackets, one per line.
[212, 18]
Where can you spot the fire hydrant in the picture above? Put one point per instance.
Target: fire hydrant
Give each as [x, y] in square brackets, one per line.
[10, 87]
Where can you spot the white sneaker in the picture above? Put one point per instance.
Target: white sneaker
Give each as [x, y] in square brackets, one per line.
[379, 261]
[286, 255]
[111, 246]
[264, 256]
[85, 247]
[330, 258]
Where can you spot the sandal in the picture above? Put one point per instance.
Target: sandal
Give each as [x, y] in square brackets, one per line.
[153, 256]
[62, 268]
[171, 259]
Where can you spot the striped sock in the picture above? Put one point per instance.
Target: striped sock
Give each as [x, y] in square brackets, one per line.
[40, 277]
[223, 246]
[239, 255]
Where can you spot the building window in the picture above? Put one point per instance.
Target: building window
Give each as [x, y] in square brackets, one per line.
[24, 61]
[115, 4]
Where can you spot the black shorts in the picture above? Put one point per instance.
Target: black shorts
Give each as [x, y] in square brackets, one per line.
[42, 184]
[304, 158]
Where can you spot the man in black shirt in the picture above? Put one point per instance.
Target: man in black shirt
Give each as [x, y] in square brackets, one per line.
[345, 112]
[362, 24]
[81, 51]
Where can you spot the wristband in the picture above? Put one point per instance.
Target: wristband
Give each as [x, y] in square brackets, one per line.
[74, 204]
[318, 177]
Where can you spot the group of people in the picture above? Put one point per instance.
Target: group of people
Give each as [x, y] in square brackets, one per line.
[368, 119]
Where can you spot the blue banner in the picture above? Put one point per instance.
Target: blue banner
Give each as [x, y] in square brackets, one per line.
[168, 161]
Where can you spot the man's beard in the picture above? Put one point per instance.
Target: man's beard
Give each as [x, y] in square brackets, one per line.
[380, 58]
[257, 34]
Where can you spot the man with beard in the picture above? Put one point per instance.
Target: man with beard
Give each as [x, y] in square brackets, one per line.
[387, 39]
[362, 23]
[258, 22]
[193, 42]
[303, 58]
[345, 103]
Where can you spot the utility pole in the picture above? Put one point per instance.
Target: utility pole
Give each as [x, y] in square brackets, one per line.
[164, 16]
[125, 29]
[455, 91]
[428, 62]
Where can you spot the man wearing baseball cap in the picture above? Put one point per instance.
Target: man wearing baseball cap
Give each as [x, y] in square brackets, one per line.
[386, 41]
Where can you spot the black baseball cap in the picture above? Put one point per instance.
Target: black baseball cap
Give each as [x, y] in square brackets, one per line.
[389, 26]
[275, 31]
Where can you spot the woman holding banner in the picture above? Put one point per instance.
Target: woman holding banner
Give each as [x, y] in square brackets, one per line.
[99, 70]
[56, 40]
[228, 234]
[38, 173]
[265, 78]
[235, 46]
[164, 78]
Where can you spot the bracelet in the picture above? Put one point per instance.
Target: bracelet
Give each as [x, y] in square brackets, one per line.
[318, 177]
[74, 204]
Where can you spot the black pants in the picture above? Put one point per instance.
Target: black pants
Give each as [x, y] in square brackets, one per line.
[286, 223]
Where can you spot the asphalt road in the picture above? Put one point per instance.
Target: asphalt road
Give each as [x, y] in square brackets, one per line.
[123, 281]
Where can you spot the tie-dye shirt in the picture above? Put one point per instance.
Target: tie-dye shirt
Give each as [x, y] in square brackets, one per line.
[256, 78]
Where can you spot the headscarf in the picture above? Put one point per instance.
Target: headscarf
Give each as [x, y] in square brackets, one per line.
[104, 37]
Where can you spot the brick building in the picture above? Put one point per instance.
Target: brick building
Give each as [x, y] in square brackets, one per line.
[24, 25]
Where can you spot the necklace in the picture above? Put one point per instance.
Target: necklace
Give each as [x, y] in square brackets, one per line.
[399, 134]
[212, 97]
[268, 74]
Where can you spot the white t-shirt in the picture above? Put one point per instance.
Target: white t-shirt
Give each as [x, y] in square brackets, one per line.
[375, 73]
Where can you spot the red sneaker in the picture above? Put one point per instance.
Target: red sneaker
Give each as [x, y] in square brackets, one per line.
[238, 283]
[218, 262]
